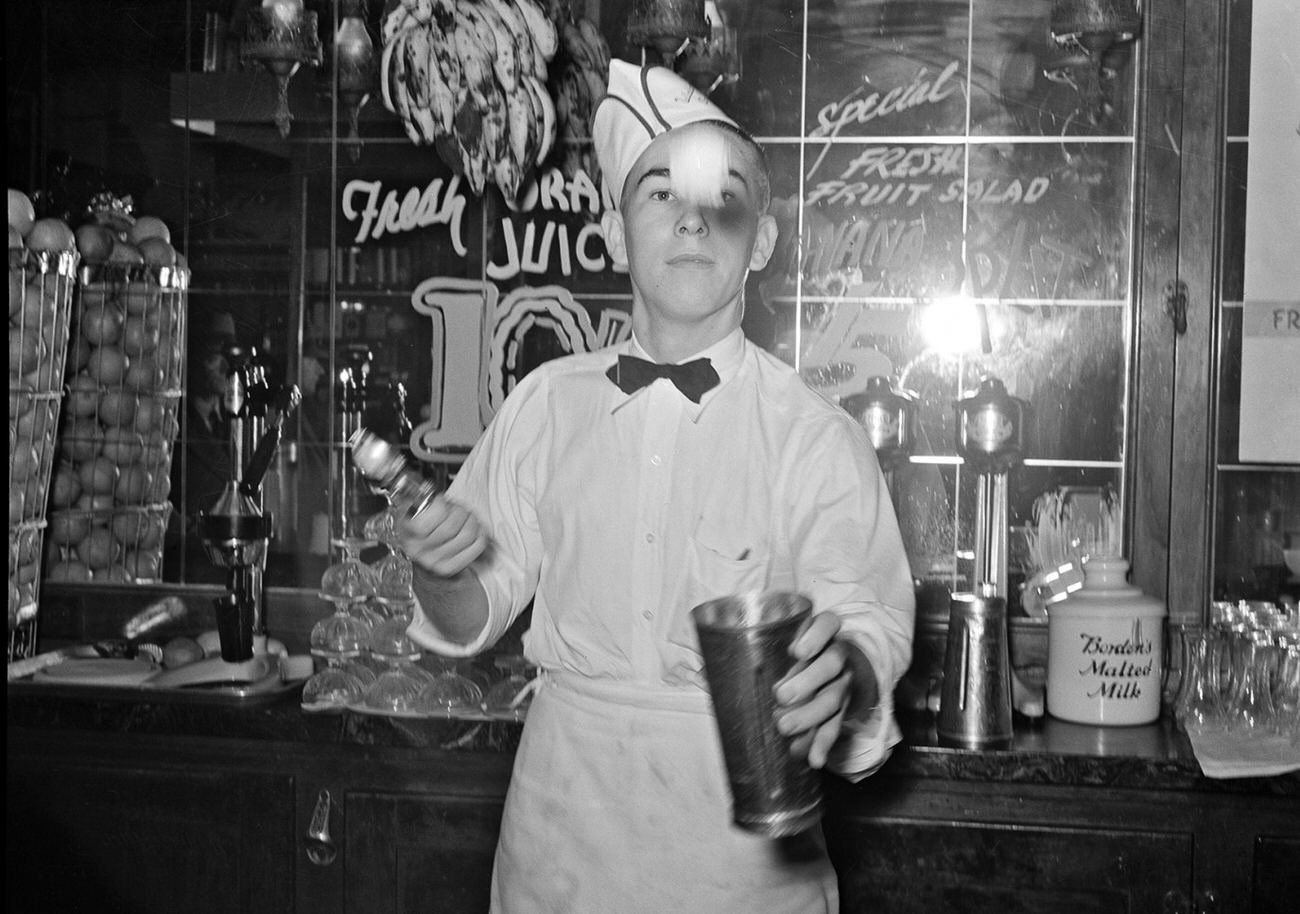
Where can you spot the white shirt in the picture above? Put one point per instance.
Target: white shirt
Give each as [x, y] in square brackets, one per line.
[619, 513]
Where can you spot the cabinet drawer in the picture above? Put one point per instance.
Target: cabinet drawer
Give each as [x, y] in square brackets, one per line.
[419, 852]
[904, 866]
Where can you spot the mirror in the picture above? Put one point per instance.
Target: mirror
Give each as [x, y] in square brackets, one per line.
[934, 163]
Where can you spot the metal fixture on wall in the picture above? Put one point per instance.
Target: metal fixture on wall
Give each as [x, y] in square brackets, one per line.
[666, 25]
[281, 36]
[352, 59]
[712, 62]
[1093, 38]
[1095, 25]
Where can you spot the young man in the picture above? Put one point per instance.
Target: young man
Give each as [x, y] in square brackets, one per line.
[618, 500]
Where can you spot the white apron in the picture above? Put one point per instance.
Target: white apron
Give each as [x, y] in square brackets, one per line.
[619, 803]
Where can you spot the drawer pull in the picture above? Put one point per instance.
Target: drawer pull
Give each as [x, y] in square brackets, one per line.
[321, 849]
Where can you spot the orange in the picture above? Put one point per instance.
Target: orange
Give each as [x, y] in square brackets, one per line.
[117, 407]
[147, 227]
[22, 215]
[98, 549]
[122, 446]
[158, 252]
[65, 488]
[98, 476]
[51, 234]
[94, 242]
[106, 364]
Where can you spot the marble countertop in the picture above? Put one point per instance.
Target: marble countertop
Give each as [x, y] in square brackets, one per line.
[1043, 751]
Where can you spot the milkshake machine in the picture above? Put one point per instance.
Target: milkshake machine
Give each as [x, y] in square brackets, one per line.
[990, 439]
[889, 415]
[978, 687]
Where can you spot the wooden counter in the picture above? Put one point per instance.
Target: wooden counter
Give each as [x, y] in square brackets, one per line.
[139, 806]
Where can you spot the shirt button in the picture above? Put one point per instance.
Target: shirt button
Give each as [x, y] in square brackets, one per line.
[649, 537]
[656, 460]
[648, 614]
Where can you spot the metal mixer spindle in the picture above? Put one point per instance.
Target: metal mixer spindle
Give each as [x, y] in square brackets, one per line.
[990, 438]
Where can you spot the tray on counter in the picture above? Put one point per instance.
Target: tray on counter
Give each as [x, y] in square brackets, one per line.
[134, 680]
[473, 715]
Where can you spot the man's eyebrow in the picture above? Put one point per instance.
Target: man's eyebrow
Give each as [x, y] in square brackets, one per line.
[663, 173]
[652, 173]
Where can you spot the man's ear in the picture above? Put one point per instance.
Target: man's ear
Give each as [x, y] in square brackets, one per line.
[764, 242]
[611, 223]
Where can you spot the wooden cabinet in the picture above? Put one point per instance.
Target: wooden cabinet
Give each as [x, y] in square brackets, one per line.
[923, 846]
[94, 827]
[108, 821]
[414, 830]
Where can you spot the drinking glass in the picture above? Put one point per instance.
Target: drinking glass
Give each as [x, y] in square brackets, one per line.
[361, 668]
[1198, 700]
[393, 578]
[349, 579]
[511, 696]
[332, 688]
[1286, 695]
[372, 612]
[449, 692]
[392, 573]
[343, 634]
[400, 682]
[1251, 704]
[381, 526]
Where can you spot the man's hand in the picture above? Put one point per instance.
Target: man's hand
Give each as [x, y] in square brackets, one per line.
[829, 675]
[442, 537]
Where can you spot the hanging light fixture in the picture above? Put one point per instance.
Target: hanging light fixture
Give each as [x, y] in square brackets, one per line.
[666, 25]
[281, 36]
[1095, 25]
[711, 62]
[352, 58]
[1092, 37]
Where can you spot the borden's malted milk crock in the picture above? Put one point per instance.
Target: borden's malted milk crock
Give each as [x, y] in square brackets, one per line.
[1104, 650]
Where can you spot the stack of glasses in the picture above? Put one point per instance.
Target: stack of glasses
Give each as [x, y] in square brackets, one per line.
[1240, 676]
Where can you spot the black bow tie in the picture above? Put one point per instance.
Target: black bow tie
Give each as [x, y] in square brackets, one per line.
[693, 379]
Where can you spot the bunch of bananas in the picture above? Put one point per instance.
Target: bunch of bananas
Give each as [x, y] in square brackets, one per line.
[580, 82]
[469, 78]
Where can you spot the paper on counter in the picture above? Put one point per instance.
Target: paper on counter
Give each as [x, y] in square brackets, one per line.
[1224, 754]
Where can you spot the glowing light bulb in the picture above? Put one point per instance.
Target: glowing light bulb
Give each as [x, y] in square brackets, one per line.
[951, 325]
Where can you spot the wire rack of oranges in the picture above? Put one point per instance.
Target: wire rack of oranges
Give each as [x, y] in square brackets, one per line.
[42, 275]
[109, 503]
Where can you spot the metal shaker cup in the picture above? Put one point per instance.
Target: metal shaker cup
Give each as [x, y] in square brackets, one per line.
[745, 642]
[975, 706]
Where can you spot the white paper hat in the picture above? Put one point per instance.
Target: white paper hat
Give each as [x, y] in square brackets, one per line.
[643, 103]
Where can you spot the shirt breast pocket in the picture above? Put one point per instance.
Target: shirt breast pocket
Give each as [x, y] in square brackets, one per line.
[718, 566]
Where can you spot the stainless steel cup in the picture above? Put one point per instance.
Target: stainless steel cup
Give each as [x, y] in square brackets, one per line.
[975, 706]
[745, 642]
